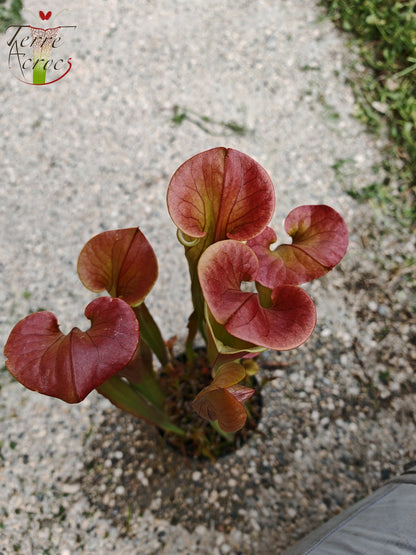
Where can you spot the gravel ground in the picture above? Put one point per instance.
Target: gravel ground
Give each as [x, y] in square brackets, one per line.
[95, 151]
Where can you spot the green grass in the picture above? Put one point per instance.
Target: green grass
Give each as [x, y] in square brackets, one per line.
[10, 15]
[206, 123]
[385, 33]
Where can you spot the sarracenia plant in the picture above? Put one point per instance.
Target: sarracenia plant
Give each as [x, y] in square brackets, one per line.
[246, 299]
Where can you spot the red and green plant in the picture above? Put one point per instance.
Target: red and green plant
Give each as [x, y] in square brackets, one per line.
[246, 299]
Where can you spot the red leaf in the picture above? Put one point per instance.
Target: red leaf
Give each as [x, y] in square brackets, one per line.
[221, 270]
[221, 193]
[223, 400]
[320, 240]
[70, 366]
[120, 261]
[225, 347]
[229, 374]
[241, 393]
[281, 318]
[285, 325]
[220, 405]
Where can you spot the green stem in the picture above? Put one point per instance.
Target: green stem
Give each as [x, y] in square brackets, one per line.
[123, 396]
[193, 250]
[226, 435]
[189, 345]
[150, 332]
[142, 376]
[197, 298]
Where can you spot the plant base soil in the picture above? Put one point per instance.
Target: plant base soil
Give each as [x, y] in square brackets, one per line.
[183, 383]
